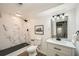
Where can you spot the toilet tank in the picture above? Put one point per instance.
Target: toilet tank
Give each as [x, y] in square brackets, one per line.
[35, 42]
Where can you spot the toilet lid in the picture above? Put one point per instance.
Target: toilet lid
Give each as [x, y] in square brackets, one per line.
[31, 48]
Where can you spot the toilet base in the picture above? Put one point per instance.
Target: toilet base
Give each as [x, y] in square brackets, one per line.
[32, 50]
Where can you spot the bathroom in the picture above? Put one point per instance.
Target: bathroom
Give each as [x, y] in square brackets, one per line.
[33, 26]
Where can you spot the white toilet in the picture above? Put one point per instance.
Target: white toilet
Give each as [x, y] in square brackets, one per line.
[33, 47]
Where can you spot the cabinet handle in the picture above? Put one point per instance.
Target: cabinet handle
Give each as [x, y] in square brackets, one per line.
[57, 48]
[56, 55]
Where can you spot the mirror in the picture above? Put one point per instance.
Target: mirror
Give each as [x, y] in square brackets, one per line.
[59, 27]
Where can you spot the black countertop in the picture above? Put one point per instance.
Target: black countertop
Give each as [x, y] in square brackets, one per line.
[12, 49]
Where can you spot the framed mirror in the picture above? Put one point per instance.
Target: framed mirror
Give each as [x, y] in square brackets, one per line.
[59, 27]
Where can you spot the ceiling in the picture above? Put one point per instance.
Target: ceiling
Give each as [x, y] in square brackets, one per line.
[26, 9]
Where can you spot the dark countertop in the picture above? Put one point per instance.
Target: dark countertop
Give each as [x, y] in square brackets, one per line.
[12, 49]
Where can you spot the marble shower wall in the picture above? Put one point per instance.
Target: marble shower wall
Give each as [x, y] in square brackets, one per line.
[13, 31]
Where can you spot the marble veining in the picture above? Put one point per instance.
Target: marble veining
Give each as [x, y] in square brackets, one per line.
[4, 27]
[12, 31]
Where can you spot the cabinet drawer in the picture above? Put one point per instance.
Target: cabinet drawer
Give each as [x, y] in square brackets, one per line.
[54, 53]
[59, 48]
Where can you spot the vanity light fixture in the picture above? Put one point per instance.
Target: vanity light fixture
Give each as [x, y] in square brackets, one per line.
[59, 16]
[63, 16]
[53, 18]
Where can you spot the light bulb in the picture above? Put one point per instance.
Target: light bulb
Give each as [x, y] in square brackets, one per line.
[55, 17]
[63, 17]
[58, 18]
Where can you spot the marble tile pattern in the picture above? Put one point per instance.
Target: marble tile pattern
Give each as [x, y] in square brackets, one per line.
[13, 31]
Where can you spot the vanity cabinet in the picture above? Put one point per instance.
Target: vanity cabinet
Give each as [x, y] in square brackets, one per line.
[56, 49]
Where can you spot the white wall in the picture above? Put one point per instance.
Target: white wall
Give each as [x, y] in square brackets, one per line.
[71, 23]
[77, 17]
[46, 21]
[14, 33]
[77, 28]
